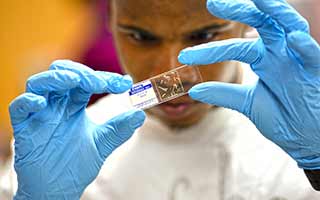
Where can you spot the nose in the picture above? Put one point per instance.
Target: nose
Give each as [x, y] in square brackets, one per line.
[167, 58]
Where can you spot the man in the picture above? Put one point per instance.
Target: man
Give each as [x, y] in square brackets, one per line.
[186, 149]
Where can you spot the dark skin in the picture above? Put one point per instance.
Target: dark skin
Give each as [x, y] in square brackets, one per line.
[149, 36]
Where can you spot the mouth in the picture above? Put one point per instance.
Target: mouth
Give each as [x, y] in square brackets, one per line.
[177, 108]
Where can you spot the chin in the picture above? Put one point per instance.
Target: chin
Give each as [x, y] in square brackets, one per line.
[182, 123]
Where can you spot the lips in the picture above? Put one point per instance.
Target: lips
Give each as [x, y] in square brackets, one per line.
[177, 108]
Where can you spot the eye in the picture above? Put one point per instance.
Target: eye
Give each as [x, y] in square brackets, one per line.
[142, 37]
[203, 36]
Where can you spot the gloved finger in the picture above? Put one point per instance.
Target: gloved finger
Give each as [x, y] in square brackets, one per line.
[307, 49]
[95, 82]
[232, 96]
[285, 15]
[243, 50]
[118, 130]
[247, 13]
[22, 106]
[49, 81]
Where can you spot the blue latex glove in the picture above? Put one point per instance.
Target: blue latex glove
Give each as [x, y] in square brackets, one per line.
[58, 150]
[284, 103]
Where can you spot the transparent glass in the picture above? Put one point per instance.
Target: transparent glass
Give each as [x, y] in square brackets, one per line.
[164, 87]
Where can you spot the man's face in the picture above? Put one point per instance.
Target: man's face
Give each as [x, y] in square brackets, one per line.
[149, 36]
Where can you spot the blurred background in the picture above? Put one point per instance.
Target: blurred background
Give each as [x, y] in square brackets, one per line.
[34, 33]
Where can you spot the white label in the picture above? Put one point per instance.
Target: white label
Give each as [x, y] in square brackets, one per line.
[142, 95]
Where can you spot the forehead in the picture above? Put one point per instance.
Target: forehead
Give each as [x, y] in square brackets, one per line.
[174, 13]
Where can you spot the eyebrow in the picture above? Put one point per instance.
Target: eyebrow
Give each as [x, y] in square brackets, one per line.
[217, 27]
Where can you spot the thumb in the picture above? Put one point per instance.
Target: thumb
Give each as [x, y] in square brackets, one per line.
[117, 131]
[234, 96]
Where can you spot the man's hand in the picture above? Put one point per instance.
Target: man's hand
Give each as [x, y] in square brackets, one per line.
[284, 103]
[58, 150]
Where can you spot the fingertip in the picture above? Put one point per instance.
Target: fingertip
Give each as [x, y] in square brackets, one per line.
[32, 101]
[34, 104]
[184, 57]
[118, 130]
[196, 91]
[132, 119]
[127, 81]
[181, 57]
[24, 104]
[26, 99]
[193, 93]
[137, 118]
[119, 83]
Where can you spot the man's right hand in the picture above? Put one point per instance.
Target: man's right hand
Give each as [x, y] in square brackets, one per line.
[58, 150]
